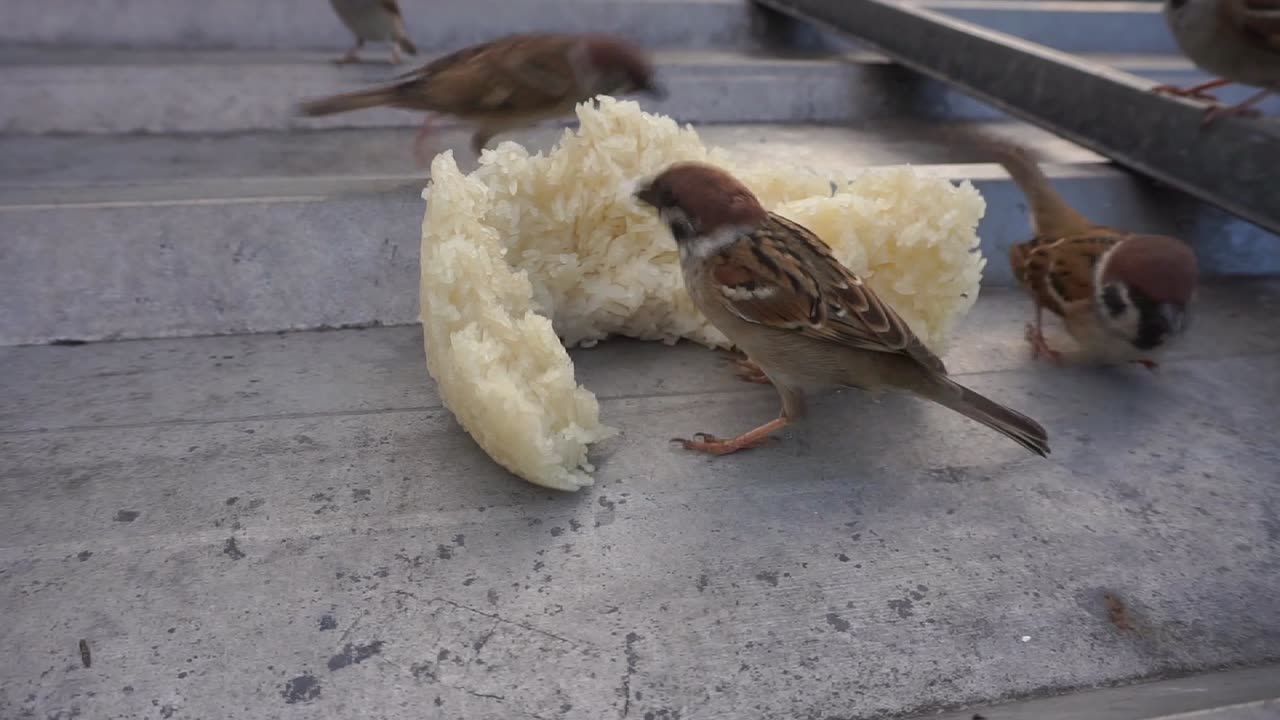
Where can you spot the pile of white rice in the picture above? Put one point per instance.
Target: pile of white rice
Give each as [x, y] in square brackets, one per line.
[529, 254]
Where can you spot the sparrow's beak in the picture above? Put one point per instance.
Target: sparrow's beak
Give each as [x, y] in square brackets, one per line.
[646, 195]
[654, 90]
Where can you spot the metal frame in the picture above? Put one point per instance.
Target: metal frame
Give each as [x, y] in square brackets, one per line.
[1234, 163]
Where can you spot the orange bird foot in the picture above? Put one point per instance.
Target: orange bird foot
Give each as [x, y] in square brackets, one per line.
[1040, 346]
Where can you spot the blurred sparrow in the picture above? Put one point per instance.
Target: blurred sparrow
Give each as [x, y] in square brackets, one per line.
[1236, 40]
[774, 289]
[1123, 297]
[512, 82]
[373, 21]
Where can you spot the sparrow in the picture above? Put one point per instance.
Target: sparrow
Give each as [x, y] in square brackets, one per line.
[776, 291]
[1123, 297]
[511, 82]
[376, 21]
[1236, 40]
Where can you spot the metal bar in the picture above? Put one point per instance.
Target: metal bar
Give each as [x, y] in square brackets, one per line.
[1234, 163]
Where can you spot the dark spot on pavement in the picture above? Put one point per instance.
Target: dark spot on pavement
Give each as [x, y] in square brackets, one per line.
[327, 622]
[232, 550]
[233, 500]
[574, 525]
[354, 655]
[127, 515]
[703, 582]
[557, 531]
[360, 494]
[606, 503]
[904, 607]
[255, 504]
[303, 688]
[444, 552]
[84, 555]
[769, 577]
[460, 540]
[837, 622]
[1117, 612]
[842, 557]
[492, 595]
[85, 658]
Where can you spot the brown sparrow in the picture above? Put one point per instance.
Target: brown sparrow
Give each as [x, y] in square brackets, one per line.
[514, 81]
[1236, 40]
[1122, 296]
[775, 290]
[375, 21]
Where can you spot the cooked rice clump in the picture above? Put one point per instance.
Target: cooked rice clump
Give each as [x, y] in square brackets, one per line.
[532, 253]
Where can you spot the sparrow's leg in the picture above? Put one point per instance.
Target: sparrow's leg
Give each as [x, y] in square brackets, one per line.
[420, 140]
[705, 442]
[352, 54]
[1243, 109]
[1196, 92]
[395, 54]
[1035, 336]
[793, 408]
[750, 372]
[481, 138]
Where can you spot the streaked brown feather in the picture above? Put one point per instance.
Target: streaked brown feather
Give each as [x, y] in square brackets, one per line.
[1060, 273]
[516, 74]
[1259, 21]
[816, 296]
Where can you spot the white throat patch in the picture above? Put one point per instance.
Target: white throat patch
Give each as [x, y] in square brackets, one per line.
[704, 246]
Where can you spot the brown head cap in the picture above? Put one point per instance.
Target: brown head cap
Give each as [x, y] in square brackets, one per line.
[620, 56]
[709, 197]
[1161, 267]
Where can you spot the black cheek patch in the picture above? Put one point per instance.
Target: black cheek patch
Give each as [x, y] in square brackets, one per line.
[1153, 326]
[1113, 300]
[682, 229]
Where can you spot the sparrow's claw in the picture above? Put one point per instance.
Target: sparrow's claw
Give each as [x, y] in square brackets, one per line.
[1151, 365]
[708, 443]
[1193, 93]
[1040, 346]
[751, 372]
[1217, 111]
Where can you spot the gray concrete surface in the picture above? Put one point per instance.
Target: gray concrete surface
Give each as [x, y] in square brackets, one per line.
[290, 24]
[1238, 694]
[63, 90]
[160, 237]
[293, 24]
[290, 526]
[1076, 26]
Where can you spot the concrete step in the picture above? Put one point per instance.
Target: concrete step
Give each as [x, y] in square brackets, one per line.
[310, 24]
[1083, 26]
[307, 24]
[84, 91]
[131, 237]
[302, 503]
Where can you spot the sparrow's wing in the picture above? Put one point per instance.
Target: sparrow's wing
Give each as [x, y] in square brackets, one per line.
[513, 75]
[1061, 273]
[785, 277]
[1259, 19]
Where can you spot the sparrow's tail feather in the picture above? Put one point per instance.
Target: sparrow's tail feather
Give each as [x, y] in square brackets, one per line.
[1017, 427]
[1050, 213]
[347, 102]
